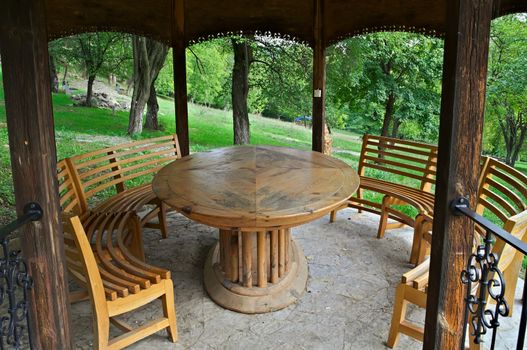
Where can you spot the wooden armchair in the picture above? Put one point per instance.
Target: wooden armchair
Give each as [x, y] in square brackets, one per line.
[116, 282]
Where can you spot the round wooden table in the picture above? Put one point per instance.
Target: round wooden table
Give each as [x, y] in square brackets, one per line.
[254, 195]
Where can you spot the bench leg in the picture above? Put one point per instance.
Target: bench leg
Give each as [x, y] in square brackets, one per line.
[417, 240]
[162, 216]
[169, 310]
[136, 246]
[383, 222]
[399, 314]
[333, 216]
[420, 247]
[359, 196]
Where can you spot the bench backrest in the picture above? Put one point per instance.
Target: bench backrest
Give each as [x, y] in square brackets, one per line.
[410, 159]
[116, 168]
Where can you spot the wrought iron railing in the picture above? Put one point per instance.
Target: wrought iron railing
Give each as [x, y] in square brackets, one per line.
[14, 285]
[484, 280]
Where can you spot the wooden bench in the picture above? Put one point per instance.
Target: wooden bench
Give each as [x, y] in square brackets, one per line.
[502, 195]
[84, 180]
[114, 279]
[415, 162]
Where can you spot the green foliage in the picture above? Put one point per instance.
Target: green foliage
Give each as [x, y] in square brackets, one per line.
[99, 53]
[281, 74]
[506, 107]
[365, 70]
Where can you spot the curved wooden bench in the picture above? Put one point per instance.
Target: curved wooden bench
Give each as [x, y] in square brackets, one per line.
[502, 195]
[112, 171]
[415, 161]
[115, 280]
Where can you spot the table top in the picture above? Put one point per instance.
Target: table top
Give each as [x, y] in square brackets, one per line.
[255, 187]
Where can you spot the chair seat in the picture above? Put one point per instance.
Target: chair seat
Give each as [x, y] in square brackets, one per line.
[118, 251]
[114, 279]
[133, 199]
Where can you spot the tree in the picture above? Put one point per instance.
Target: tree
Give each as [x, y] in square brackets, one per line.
[507, 83]
[97, 53]
[243, 55]
[397, 80]
[280, 79]
[149, 57]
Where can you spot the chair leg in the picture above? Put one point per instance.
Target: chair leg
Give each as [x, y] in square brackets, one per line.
[399, 314]
[383, 222]
[101, 327]
[510, 277]
[333, 216]
[169, 310]
[162, 216]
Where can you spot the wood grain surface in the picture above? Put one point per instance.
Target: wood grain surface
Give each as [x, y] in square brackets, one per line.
[251, 187]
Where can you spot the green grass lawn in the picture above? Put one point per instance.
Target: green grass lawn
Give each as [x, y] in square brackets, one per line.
[80, 129]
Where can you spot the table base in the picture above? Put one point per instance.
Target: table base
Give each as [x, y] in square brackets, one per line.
[273, 258]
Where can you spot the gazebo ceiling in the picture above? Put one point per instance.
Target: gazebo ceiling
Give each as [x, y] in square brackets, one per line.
[205, 19]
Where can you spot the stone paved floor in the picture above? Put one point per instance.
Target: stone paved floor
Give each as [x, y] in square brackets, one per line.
[347, 303]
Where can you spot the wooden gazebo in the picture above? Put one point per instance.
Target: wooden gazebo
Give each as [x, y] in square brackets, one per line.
[26, 26]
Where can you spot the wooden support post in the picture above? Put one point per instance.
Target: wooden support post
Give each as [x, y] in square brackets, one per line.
[24, 50]
[247, 259]
[281, 253]
[262, 259]
[319, 79]
[462, 108]
[235, 256]
[274, 256]
[180, 77]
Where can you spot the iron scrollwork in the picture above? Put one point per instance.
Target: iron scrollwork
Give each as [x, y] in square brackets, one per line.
[484, 280]
[15, 283]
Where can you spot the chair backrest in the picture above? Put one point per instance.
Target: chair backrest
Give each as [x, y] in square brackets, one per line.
[80, 260]
[412, 160]
[502, 191]
[120, 166]
[502, 197]
[70, 194]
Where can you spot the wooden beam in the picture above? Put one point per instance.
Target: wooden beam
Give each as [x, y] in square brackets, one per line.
[461, 126]
[24, 50]
[319, 78]
[180, 76]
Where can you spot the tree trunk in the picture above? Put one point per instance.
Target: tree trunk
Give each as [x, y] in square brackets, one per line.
[240, 90]
[149, 57]
[89, 91]
[65, 75]
[53, 75]
[514, 131]
[152, 108]
[388, 114]
[395, 128]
